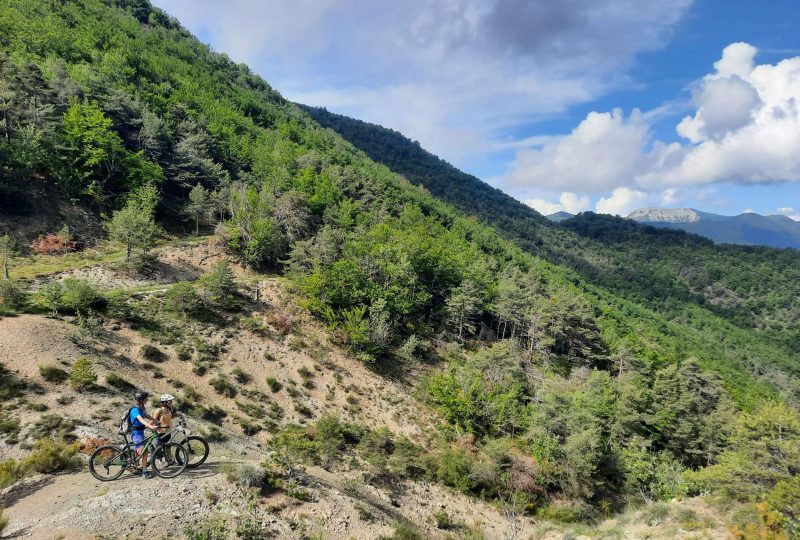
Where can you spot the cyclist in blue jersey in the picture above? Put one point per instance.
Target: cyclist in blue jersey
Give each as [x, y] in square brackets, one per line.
[139, 420]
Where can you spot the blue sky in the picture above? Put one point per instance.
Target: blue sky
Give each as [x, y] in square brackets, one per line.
[605, 105]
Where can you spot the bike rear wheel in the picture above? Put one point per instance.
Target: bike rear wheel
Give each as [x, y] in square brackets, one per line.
[197, 450]
[169, 460]
[108, 463]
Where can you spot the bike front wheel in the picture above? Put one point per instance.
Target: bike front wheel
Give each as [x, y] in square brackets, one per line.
[107, 463]
[197, 450]
[169, 460]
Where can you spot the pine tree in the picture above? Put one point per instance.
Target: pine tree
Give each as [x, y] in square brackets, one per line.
[82, 375]
[463, 307]
[198, 206]
[134, 224]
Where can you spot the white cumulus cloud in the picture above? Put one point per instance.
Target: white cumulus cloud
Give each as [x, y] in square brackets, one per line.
[745, 129]
[603, 151]
[567, 202]
[788, 211]
[457, 75]
[621, 202]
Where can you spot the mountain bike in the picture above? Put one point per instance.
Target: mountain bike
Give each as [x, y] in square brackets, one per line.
[167, 460]
[195, 445]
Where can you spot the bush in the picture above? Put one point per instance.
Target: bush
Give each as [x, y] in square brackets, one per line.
[3, 522]
[453, 467]
[13, 295]
[213, 434]
[10, 428]
[443, 520]
[82, 376]
[54, 244]
[565, 511]
[223, 386]
[118, 382]
[50, 456]
[12, 471]
[80, 295]
[53, 374]
[54, 426]
[183, 351]
[248, 475]
[248, 426]
[281, 322]
[213, 414]
[152, 353]
[405, 531]
[274, 384]
[240, 376]
[209, 529]
[183, 298]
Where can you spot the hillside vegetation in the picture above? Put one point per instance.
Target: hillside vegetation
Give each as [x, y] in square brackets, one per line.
[573, 371]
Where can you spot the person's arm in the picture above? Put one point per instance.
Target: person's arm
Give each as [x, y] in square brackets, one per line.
[147, 421]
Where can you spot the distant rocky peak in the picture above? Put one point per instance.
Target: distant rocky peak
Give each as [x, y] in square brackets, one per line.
[665, 215]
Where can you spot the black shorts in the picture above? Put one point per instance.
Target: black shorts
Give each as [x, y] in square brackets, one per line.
[163, 439]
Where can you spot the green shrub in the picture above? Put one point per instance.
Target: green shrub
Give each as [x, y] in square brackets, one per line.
[80, 295]
[82, 376]
[112, 379]
[303, 410]
[12, 471]
[442, 519]
[248, 475]
[152, 353]
[453, 467]
[53, 374]
[213, 414]
[248, 426]
[251, 409]
[405, 531]
[54, 426]
[213, 434]
[13, 296]
[3, 522]
[250, 528]
[568, 511]
[183, 298]
[183, 351]
[50, 456]
[274, 384]
[209, 529]
[222, 385]
[9, 427]
[38, 407]
[240, 376]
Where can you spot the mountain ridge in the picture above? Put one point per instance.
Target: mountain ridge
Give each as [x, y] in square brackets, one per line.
[748, 228]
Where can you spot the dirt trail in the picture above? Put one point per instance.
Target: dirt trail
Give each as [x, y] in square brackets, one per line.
[77, 506]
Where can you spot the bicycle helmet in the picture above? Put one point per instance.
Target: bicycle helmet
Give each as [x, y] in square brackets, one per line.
[167, 397]
[141, 395]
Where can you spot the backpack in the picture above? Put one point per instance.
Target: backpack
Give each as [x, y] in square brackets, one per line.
[125, 424]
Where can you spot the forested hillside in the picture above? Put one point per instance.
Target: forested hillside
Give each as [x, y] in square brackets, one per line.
[577, 369]
[751, 287]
